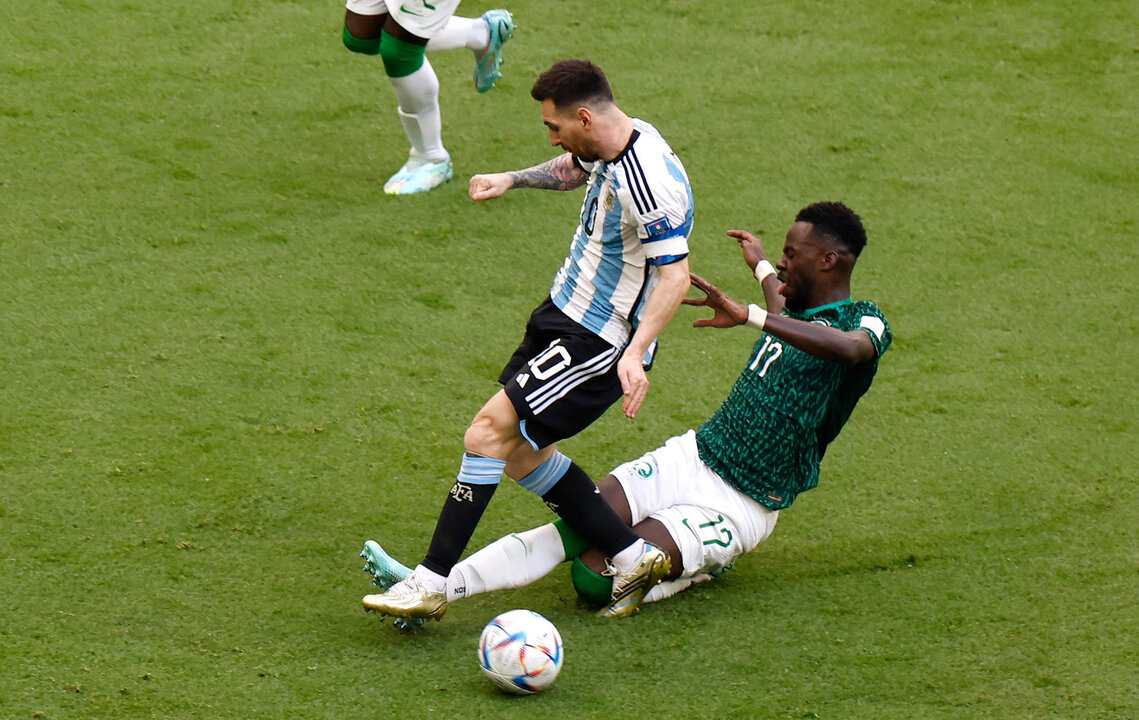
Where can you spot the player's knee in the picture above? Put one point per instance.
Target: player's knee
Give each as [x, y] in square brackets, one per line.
[493, 432]
[364, 46]
[480, 436]
[487, 436]
[401, 58]
[592, 587]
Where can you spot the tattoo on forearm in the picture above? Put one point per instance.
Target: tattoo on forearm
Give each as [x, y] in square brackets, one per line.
[557, 174]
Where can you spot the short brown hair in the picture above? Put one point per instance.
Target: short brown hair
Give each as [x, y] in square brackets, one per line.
[572, 82]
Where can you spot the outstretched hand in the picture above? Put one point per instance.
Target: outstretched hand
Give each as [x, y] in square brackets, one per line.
[728, 312]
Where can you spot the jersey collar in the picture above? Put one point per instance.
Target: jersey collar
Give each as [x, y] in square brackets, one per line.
[628, 146]
[809, 312]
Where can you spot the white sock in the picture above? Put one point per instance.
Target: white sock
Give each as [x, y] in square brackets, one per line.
[429, 579]
[418, 98]
[626, 560]
[509, 562]
[668, 588]
[461, 32]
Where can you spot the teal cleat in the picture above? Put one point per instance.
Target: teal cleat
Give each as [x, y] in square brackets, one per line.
[384, 569]
[387, 571]
[418, 176]
[501, 25]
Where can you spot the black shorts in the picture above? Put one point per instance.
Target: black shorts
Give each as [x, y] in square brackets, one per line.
[561, 378]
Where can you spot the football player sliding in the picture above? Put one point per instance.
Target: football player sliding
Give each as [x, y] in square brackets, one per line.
[710, 495]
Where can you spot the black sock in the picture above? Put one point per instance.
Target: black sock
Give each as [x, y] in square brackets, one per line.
[577, 501]
[461, 513]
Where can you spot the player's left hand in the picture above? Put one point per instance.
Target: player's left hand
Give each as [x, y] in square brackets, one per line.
[728, 312]
[634, 383]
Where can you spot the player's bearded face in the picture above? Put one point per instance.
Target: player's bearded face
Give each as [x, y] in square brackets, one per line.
[796, 268]
[797, 291]
[566, 131]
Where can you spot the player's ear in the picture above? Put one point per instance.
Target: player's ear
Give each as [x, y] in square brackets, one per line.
[585, 117]
[828, 260]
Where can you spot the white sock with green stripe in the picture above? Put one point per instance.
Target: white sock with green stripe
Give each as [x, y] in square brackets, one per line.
[512, 561]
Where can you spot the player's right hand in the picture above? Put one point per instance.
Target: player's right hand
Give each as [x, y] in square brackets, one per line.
[634, 382]
[727, 312]
[486, 187]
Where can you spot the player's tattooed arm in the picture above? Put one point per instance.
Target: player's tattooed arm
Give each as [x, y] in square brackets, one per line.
[561, 173]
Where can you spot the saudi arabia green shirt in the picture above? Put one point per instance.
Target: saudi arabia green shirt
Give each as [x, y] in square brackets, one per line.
[769, 435]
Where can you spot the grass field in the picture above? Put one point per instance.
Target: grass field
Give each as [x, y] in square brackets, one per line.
[227, 359]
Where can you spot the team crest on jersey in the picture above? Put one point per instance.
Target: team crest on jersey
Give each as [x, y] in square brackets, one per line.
[658, 227]
[610, 200]
[643, 469]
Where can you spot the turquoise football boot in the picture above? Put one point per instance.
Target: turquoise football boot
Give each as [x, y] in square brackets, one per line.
[387, 571]
[501, 26]
[417, 176]
[384, 569]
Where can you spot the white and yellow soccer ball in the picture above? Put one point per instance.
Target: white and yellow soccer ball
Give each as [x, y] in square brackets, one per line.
[521, 652]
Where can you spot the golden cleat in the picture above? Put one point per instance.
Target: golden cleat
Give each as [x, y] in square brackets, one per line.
[630, 589]
[408, 599]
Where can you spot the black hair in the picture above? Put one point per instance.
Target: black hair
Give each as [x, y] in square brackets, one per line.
[572, 82]
[837, 222]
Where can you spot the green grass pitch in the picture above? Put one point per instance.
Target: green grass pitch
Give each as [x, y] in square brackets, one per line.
[227, 359]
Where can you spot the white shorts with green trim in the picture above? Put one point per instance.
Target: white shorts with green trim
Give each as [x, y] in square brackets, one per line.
[712, 523]
[419, 18]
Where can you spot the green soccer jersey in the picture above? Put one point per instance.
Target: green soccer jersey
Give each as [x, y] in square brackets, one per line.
[769, 435]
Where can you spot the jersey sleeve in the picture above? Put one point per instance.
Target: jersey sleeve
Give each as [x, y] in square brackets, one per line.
[871, 321]
[662, 205]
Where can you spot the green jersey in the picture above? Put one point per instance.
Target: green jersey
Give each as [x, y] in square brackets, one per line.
[769, 435]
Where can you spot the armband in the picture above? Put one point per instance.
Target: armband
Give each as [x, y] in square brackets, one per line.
[763, 269]
[756, 317]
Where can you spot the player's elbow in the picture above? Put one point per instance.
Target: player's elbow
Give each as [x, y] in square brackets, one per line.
[853, 350]
[682, 284]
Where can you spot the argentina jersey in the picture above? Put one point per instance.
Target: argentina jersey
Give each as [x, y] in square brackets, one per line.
[637, 215]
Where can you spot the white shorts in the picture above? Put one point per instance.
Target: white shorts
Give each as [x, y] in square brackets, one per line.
[412, 15]
[711, 522]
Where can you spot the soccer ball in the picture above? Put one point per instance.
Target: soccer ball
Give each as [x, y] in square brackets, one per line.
[521, 652]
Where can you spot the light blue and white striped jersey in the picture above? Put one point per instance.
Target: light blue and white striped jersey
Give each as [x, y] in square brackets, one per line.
[636, 216]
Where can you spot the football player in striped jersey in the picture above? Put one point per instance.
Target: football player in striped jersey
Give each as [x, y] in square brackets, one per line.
[586, 345]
